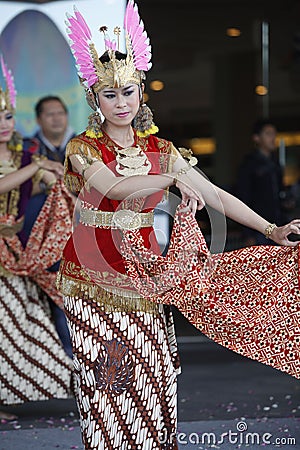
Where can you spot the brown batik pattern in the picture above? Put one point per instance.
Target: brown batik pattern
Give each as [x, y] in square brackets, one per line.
[33, 364]
[113, 368]
[126, 377]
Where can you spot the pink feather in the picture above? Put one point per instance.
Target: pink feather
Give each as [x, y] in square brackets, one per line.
[80, 36]
[80, 25]
[9, 79]
[112, 45]
[83, 23]
[134, 28]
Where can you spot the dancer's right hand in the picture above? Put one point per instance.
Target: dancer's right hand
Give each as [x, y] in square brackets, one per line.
[192, 199]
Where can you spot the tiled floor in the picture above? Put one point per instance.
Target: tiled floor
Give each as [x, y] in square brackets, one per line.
[224, 401]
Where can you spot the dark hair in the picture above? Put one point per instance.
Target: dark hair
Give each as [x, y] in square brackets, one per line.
[260, 124]
[105, 57]
[39, 106]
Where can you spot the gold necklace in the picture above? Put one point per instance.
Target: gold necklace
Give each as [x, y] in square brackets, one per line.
[132, 161]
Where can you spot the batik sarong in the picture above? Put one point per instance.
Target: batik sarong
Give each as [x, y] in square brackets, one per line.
[125, 365]
[33, 363]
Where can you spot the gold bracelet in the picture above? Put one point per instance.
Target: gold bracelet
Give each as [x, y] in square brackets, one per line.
[192, 161]
[269, 230]
[37, 177]
[84, 163]
[180, 172]
[38, 160]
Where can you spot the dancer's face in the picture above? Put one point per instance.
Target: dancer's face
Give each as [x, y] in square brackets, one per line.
[120, 105]
[7, 125]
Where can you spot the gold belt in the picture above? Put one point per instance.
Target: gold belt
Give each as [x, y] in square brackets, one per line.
[123, 218]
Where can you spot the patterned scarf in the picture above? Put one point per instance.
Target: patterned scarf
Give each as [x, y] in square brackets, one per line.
[246, 300]
[45, 244]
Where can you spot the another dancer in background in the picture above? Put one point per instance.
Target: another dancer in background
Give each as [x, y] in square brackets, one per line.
[33, 364]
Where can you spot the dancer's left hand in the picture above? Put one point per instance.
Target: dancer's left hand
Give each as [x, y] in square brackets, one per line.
[280, 235]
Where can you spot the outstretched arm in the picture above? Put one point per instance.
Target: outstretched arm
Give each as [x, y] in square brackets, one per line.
[234, 208]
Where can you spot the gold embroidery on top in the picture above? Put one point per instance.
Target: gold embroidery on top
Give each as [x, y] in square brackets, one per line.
[9, 201]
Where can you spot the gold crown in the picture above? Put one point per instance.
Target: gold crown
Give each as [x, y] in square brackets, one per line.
[115, 73]
[5, 103]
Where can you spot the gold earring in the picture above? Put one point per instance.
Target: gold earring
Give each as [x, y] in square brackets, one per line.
[16, 142]
[143, 121]
[93, 129]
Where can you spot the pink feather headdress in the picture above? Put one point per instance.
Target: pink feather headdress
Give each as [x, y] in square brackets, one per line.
[8, 97]
[114, 73]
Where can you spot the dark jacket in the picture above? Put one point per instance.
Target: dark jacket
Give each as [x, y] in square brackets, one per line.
[260, 186]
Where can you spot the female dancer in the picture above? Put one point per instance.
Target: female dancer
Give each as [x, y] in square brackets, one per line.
[33, 365]
[125, 356]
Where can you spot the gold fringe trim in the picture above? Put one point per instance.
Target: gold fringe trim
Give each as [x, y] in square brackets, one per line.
[109, 299]
[74, 183]
[77, 146]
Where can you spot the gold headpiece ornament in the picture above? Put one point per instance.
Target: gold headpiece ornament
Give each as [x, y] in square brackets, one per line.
[114, 73]
[9, 95]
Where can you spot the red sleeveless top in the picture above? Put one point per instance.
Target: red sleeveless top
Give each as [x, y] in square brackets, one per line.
[91, 256]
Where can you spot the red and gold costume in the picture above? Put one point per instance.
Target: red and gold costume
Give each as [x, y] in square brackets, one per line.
[125, 354]
[33, 364]
[92, 262]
